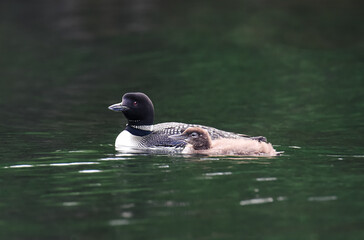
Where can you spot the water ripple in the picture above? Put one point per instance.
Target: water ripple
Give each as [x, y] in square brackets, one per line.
[51, 165]
[119, 222]
[266, 179]
[20, 166]
[72, 164]
[90, 171]
[322, 198]
[70, 204]
[256, 201]
[217, 174]
[114, 158]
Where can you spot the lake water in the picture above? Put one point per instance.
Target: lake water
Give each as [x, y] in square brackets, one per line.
[290, 71]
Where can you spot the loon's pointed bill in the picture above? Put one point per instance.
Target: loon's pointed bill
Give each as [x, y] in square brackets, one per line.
[118, 107]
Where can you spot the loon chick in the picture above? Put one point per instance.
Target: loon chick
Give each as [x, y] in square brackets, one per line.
[141, 133]
[199, 142]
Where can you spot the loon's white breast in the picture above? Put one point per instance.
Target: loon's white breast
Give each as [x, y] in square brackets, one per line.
[153, 143]
[127, 140]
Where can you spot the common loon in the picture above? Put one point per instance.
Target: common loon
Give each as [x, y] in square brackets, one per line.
[200, 142]
[141, 133]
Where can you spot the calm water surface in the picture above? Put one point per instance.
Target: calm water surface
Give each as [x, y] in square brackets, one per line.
[293, 72]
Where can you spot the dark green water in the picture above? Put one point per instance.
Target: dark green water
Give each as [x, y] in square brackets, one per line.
[290, 71]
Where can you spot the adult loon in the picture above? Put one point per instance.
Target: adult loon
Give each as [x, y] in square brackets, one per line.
[200, 142]
[141, 133]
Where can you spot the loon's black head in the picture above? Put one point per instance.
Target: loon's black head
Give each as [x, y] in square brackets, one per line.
[137, 108]
[199, 138]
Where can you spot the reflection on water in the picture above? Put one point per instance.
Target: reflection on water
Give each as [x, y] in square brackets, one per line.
[70, 204]
[217, 174]
[256, 201]
[118, 222]
[266, 179]
[322, 199]
[52, 164]
[90, 171]
[151, 191]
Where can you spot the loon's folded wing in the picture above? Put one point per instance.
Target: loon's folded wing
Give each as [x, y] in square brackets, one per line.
[171, 128]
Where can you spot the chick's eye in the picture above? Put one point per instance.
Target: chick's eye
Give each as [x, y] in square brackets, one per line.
[194, 135]
[135, 103]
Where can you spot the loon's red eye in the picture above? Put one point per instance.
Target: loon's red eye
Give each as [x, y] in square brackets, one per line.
[135, 103]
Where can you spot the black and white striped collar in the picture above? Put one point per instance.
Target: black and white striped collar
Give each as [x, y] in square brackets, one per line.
[143, 127]
[139, 130]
